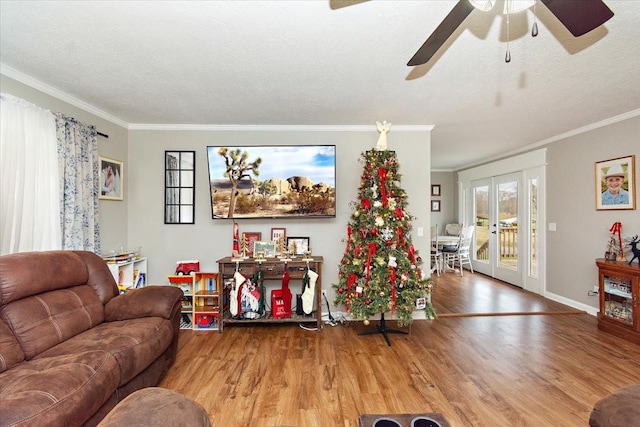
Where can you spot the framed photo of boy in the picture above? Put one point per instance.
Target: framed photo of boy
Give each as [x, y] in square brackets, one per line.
[111, 179]
[616, 183]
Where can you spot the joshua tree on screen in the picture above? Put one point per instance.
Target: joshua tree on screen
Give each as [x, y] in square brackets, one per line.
[238, 167]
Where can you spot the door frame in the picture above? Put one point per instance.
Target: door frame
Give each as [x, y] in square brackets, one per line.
[529, 165]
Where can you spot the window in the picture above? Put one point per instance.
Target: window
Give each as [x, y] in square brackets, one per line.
[179, 187]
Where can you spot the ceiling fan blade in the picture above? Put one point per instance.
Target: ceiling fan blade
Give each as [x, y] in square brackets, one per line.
[579, 16]
[460, 11]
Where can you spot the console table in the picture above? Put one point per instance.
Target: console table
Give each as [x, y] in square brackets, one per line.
[273, 269]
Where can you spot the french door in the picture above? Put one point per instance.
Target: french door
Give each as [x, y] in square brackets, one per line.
[505, 210]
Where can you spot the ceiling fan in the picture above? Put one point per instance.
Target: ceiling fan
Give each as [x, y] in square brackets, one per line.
[578, 16]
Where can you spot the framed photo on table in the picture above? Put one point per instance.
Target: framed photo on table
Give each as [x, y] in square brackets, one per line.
[247, 243]
[278, 233]
[297, 245]
[268, 249]
[279, 236]
[111, 179]
[616, 183]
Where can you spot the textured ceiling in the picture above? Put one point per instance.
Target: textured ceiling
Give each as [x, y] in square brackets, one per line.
[314, 63]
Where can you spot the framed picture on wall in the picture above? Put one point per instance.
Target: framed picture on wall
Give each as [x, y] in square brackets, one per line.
[111, 179]
[616, 183]
[435, 206]
[435, 190]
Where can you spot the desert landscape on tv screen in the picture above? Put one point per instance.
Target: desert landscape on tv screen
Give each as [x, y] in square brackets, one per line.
[272, 181]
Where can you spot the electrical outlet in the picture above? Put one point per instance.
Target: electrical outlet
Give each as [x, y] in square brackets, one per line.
[596, 288]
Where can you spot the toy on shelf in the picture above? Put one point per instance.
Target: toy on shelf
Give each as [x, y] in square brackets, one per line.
[635, 249]
[616, 228]
[187, 266]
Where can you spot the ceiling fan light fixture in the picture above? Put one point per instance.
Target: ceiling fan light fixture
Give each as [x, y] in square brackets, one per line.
[510, 6]
[483, 5]
[515, 6]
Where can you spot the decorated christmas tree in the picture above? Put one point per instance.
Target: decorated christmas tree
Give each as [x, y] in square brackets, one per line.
[380, 270]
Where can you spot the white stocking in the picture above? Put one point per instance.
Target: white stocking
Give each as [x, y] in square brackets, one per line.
[233, 295]
[309, 292]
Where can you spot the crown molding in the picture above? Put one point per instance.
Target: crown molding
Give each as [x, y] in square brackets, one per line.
[57, 93]
[606, 122]
[63, 96]
[276, 128]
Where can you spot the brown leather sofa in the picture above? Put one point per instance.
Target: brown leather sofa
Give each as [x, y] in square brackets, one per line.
[71, 347]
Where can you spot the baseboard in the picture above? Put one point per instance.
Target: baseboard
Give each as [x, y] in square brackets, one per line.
[571, 303]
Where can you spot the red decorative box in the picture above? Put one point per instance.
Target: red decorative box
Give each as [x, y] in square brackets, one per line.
[280, 303]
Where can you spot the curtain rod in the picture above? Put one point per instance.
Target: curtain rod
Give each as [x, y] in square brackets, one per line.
[103, 134]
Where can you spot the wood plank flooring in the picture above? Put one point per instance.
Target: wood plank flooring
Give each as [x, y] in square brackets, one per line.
[477, 370]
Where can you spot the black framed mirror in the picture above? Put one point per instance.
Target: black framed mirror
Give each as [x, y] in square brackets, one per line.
[179, 187]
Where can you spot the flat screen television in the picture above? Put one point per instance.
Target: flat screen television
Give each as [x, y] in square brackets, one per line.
[272, 181]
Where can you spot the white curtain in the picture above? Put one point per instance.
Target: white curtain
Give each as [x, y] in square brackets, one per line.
[29, 178]
[79, 186]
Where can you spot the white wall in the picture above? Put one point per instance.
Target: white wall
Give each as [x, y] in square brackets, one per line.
[582, 231]
[209, 240]
[449, 194]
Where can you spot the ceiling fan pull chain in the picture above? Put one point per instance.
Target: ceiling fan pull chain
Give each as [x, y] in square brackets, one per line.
[534, 28]
[507, 56]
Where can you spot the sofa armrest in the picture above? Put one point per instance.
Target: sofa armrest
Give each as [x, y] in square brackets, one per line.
[150, 301]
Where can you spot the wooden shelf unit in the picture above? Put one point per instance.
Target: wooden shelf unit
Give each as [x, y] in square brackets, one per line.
[202, 303]
[619, 292]
[206, 301]
[273, 269]
[127, 273]
[185, 283]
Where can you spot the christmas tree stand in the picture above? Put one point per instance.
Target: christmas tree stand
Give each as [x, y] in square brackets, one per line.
[384, 330]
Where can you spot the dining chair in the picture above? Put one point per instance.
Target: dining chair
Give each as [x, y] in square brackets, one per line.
[461, 253]
[453, 229]
[437, 261]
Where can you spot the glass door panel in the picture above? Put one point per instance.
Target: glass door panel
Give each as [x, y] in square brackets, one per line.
[508, 225]
[506, 228]
[481, 215]
[533, 227]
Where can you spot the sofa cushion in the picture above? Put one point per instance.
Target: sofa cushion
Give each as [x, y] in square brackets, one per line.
[10, 351]
[42, 321]
[135, 303]
[134, 343]
[154, 406]
[45, 391]
[31, 273]
[618, 409]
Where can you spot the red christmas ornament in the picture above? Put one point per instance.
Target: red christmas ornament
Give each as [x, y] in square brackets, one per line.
[382, 174]
[341, 290]
[366, 204]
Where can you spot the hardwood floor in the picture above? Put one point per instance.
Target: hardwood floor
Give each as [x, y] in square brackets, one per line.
[477, 370]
